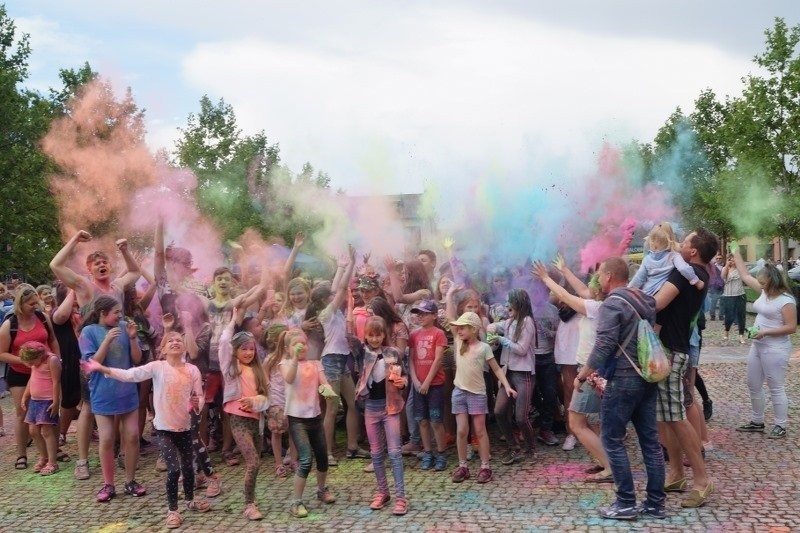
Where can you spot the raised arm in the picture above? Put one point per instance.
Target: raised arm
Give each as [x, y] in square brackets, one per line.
[63, 312]
[747, 277]
[68, 276]
[133, 271]
[575, 302]
[577, 285]
[341, 291]
[288, 267]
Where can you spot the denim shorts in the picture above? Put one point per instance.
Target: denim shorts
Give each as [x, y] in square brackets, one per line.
[38, 415]
[585, 401]
[465, 402]
[335, 366]
[430, 406]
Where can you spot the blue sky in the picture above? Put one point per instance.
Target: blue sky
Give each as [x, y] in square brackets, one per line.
[388, 96]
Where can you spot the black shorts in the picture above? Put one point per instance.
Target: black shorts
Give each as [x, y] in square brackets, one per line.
[16, 379]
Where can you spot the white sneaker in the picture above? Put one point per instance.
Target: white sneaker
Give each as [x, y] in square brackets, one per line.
[470, 453]
[569, 443]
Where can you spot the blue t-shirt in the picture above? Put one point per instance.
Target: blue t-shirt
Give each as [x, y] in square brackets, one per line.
[109, 396]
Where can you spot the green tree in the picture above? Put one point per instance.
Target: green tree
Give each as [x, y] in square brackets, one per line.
[763, 133]
[28, 217]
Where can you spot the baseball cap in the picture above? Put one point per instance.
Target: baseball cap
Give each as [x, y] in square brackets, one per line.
[366, 283]
[425, 306]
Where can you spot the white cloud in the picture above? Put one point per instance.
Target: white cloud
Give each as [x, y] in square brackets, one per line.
[456, 87]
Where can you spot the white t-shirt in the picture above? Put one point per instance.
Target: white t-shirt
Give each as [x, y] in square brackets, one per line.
[277, 388]
[333, 324]
[172, 391]
[302, 396]
[769, 316]
[469, 367]
[588, 331]
[567, 337]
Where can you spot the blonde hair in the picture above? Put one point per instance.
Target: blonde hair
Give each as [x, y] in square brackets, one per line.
[464, 345]
[661, 237]
[25, 291]
[282, 344]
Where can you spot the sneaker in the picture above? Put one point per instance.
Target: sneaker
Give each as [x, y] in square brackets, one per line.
[619, 511]
[470, 453]
[379, 501]
[512, 456]
[751, 427]
[332, 461]
[198, 506]
[298, 510]
[174, 520]
[654, 511]
[82, 469]
[409, 448]
[400, 506]
[460, 474]
[569, 443]
[214, 486]
[778, 432]
[161, 464]
[106, 493]
[251, 512]
[325, 495]
[441, 462]
[485, 475]
[546, 436]
[708, 410]
[135, 489]
[427, 461]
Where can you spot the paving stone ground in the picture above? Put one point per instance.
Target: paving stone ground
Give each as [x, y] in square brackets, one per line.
[756, 479]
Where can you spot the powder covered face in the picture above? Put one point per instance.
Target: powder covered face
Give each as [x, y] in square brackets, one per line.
[375, 338]
[111, 318]
[246, 352]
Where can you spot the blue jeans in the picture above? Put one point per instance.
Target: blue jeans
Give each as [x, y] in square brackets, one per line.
[414, 436]
[629, 398]
[382, 426]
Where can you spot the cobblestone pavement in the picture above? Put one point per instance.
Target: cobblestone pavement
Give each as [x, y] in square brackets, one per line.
[756, 482]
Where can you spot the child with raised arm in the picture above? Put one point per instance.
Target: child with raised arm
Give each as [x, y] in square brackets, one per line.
[305, 381]
[469, 393]
[41, 401]
[659, 262]
[177, 392]
[244, 398]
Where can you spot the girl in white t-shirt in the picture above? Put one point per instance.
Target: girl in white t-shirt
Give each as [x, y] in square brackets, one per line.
[469, 401]
[305, 381]
[177, 391]
[776, 319]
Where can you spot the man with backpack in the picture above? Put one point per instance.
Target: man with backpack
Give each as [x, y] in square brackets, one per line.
[678, 305]
[627, 397]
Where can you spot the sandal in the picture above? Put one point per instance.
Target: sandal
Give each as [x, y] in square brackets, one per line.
[600, 477]
[62, 456]
[41, 463]
[49, 469]
[280, 471]
[230, 459]
[22, 463]
[174, 520]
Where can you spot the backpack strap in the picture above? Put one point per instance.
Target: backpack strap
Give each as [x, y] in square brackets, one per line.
[634, 330]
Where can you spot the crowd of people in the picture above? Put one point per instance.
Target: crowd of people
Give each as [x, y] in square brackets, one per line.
[418, 354]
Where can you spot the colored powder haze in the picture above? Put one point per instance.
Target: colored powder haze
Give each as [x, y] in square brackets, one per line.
[112, 184]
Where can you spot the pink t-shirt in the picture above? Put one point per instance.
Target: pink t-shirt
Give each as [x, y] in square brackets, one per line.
[423, 351]
[41, 382]
[247, 384]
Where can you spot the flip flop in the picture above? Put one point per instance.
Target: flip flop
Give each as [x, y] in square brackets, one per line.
[22, 463]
